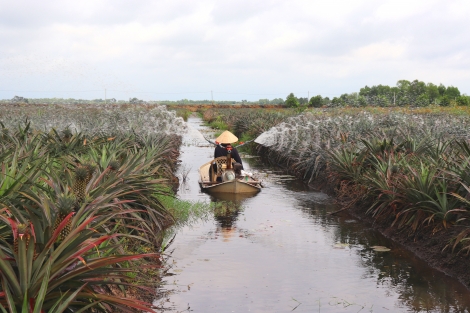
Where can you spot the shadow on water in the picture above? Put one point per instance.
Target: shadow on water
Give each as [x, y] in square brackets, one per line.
[280, 251]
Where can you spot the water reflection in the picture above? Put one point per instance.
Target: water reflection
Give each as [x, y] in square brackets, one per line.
[420, 288]
[226, 212]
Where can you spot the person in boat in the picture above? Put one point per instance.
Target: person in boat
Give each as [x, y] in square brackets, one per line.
[224, 145]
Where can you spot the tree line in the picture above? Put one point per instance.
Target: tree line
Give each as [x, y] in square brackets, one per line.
[414, 93]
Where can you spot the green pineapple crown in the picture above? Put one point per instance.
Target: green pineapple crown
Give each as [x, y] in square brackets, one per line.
[114, 165]
[65, 204]
[81, 173]
[90, 168]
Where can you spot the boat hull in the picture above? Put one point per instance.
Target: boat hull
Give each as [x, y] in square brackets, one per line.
[239, 185]
[234, 186]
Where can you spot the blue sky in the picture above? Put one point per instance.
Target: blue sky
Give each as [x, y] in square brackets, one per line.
[239, 49]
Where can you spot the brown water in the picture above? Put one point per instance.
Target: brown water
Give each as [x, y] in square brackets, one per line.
[279, 251]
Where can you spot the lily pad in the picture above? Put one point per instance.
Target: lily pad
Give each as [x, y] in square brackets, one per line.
[380, 248]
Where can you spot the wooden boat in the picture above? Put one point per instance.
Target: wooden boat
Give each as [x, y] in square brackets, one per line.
[231, 182]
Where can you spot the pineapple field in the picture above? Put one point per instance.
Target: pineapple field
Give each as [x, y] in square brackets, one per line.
[81, 194]
[405, 170]
[86, 192]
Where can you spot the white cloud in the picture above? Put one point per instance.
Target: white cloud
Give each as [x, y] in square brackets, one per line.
[269, 46]
[381, 51]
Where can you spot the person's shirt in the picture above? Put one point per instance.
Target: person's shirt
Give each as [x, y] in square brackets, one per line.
[222, 151]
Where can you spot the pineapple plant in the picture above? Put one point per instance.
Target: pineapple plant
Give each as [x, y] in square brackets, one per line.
[80, 183]
[65, 205]
[22, 233]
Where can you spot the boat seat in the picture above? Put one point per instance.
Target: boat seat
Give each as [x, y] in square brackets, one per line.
[222, 164]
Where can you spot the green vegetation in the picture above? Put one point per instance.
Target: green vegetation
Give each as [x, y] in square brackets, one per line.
[82, 194]
[406, 167]
[186, 212]
[86, 192]
[246, 124]
[410, 169]
[406, 93]
[183, 113]
[292, 101]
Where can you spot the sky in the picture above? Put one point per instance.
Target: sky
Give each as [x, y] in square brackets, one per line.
[228, 49]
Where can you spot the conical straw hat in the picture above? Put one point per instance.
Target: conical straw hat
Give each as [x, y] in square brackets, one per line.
[227, 137]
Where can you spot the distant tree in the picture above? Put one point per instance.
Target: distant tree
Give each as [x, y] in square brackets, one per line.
[18, 99]
[303, 101]
[433, 92]
[326, 101]
[135, 101]
[361, 101]
[441, 89]
[263, 101]
[316, 102]
[373, 95]
[418, 87]
[463, 100]
[346, 99]
[379, 90]
[444, 101]
[452, 92]
[422, 100]
[365, 91]
[292, 101]
[337, 102]
[405, 92]
[277, 101]
[382, 101]
[403, 85]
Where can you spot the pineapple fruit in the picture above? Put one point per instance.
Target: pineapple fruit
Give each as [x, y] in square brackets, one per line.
[65, 205]
[81, 180]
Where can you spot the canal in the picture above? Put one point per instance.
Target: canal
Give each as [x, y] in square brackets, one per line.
[280, 251]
